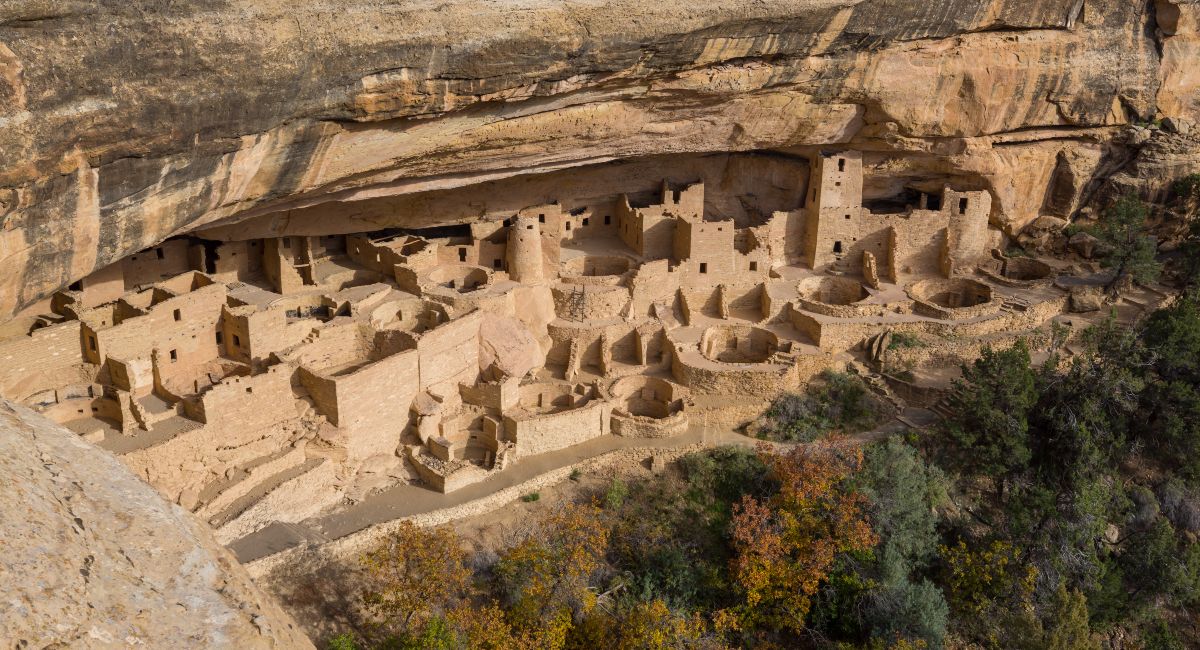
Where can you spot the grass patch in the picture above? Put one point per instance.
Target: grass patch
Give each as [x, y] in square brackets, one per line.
[905, 340]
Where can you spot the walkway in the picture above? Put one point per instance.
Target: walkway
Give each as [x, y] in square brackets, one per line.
[408, 500]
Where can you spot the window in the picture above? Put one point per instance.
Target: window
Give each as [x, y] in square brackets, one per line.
[838, 183]
[541, 218]
[177, 314]
[703, 267]
[462, 254]
[496, 263]
[568, 225]
[237, 341]
[837, 247]
[76, 285]
[92, 342]
[841, 164]
[249, 389]
[174, 355]
[287, 242]
[607, 219]
[159, 253]
[220, 338]
[753, 266]
[962, 205]
[529, 227]
[847, 216]
[585, 221]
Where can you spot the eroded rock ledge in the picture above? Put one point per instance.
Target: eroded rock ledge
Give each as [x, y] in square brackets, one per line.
[124, 123]
[90, 556]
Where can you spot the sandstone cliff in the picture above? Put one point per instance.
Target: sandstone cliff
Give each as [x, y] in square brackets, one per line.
[123, 123]
[92, 557]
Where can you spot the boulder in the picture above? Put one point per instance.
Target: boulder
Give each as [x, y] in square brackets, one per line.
[507, 348]
[1084, 244]
[1086, 299]
[93, 557]
[1177, 125]
[1043, 234]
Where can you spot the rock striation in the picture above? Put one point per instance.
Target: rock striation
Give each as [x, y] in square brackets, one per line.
[92, 557]
[125, 123]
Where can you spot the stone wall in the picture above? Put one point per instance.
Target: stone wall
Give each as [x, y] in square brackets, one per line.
[536, 434]
[46, 358]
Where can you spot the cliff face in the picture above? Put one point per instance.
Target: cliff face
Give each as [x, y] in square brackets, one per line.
[92, 557]
[125, 122]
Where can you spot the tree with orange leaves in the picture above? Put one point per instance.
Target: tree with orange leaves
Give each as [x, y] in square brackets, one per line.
[546, 575]
[785, 545]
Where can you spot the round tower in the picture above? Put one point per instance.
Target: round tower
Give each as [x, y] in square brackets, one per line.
[525, 249]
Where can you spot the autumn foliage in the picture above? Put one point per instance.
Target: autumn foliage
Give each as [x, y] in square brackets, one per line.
[786, 544]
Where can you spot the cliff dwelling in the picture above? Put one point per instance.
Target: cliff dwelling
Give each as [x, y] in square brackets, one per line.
[259, 378]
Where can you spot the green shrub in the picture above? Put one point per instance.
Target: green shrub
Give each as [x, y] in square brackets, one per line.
[531, 497]
[615, 495]
[838, 401]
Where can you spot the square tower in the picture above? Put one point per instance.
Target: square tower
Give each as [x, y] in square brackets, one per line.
[834, 208]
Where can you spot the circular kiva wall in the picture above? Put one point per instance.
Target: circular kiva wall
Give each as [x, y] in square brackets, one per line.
[647, 407]
[1019, 272]
[460, 277]
[738, 344]
[596, 266]
[834, 296]
[953, 299]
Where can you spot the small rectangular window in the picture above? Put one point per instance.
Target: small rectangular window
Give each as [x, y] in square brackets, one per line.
[249, 389]
[838, 183]
[237, 342]
[585, 221]
[174, 355]
[92, 342]
[607, 219]
[753, 266]
[496, 263]
[837, 247]
[568, 225]
[847, 216]
[177, 314]
[220, 338]
[703, 267]
[462, 254]
[541, 218]
[287, 242]
[159, 253]
[841, 164]
[962, 205]
[529, 227]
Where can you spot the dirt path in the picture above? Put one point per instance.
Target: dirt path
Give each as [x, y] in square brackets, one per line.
[405, 501]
